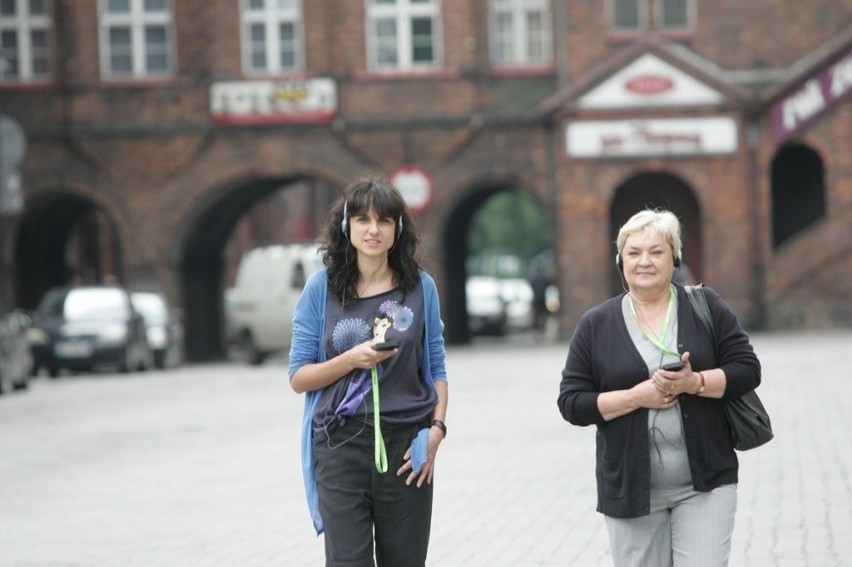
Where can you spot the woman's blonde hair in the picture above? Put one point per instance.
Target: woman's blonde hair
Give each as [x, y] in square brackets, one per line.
[660, 221]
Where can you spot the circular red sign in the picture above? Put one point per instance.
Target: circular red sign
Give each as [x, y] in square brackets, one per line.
[649, 84]
[415, 185]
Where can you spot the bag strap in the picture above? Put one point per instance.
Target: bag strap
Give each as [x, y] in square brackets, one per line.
[695, 294]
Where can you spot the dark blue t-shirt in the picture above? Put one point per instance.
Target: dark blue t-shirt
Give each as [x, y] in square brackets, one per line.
[404, 397]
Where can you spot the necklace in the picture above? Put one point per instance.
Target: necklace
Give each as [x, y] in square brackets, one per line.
[363, 292]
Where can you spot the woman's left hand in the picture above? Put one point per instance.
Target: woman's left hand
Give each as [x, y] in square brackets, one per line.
[428, 468]
[674, 383]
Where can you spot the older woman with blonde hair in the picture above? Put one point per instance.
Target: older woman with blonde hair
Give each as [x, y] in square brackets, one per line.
[644, 370]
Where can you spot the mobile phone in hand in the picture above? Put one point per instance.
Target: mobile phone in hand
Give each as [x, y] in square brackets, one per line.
[387, 345]
[673, 366]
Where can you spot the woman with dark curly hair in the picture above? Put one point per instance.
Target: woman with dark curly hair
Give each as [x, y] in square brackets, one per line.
[368, 351]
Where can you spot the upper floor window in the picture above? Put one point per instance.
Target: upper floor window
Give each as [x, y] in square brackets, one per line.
[24, 40]
[520, 32]
[403, 34]
[136, 38]
[272, 36]
[675, 14]
[662, 15]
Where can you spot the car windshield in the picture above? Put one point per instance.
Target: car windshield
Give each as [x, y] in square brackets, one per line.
[151, 306]
[87, 304]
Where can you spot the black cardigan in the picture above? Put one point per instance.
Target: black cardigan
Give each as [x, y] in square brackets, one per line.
[603, 358]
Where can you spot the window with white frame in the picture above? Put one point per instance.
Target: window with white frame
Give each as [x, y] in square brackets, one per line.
[520, 32]
[403, 34]
[24, 40]
[675, 14]
[136, 38]
[627, 15]
[272, 36]
[669, 15]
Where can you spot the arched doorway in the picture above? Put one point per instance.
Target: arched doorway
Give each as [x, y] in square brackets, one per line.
[798, 191]
[62, 239]
[237, 218]
[659, 190]
[499, 233]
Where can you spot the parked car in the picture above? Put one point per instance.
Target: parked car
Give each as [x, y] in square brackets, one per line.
[486, 308]
[15, 358]
[82, 328]
[259, 308]
[517, 293]
[163, 328]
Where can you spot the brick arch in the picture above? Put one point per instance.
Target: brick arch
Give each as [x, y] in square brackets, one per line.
[455, 216]
[205, 225]
[798, 190]
[50, 219]
[663, 190]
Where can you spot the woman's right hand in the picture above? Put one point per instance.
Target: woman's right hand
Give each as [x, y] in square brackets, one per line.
[322, 374]
[643, 395]
[365, 356]
[647, 395]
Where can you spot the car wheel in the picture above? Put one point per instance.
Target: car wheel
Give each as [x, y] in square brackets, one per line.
[250, 351]
[160, 359]
[52, 370]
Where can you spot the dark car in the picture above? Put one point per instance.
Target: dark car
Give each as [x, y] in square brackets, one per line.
[82, 328]
[15, 359]
[163, 327]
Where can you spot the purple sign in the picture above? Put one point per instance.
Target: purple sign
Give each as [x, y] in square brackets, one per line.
[814, 97]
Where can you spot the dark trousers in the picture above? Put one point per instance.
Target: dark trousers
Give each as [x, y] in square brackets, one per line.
[362, 508]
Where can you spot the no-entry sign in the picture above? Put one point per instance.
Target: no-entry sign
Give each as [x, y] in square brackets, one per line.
[415, 185]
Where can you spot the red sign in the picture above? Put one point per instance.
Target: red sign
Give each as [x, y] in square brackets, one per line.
[649, 84]
[415, 185]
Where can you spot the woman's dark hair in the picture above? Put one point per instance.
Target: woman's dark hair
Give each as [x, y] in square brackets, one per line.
[341, 260]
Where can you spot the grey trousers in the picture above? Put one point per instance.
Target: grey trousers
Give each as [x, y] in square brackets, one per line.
[362, 508]
[685, 529]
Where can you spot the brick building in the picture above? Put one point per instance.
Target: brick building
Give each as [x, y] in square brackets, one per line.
[152, 126]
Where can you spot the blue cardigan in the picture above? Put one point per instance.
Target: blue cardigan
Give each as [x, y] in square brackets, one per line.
[307, 348]
[603, 358]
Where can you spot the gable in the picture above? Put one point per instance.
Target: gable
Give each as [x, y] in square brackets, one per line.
[649, 81]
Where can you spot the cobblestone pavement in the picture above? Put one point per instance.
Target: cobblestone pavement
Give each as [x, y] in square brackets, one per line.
[200, 466]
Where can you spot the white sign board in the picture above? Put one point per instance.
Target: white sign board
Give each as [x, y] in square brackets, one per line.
[654, 137]
[649, 82]
[269, 102]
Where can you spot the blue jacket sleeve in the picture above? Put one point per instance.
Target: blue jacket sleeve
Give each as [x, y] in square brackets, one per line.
[306, 348]
[435, 352]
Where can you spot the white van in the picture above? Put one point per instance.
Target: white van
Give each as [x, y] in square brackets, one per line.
[260, 305]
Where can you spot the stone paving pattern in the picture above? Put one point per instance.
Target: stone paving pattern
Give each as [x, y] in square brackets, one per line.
[200, 466]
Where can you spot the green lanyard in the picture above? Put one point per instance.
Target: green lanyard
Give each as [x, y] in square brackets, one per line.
[379, 442]
[660, 342]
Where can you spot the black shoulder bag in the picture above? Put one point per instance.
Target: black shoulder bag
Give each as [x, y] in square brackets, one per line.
[747, 418]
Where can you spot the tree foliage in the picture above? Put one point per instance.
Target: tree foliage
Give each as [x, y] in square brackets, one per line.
[510, 223]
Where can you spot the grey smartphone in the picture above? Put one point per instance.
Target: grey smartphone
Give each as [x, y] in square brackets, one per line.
[673, 366]
[387, 345]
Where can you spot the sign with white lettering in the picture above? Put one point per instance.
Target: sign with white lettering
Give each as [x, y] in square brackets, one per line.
[814, 97]
[653, 137]
[415, 185]
[269, 102]
[649, 82]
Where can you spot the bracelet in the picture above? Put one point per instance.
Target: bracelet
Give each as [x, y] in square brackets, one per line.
[440, 425]
[701, 387]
